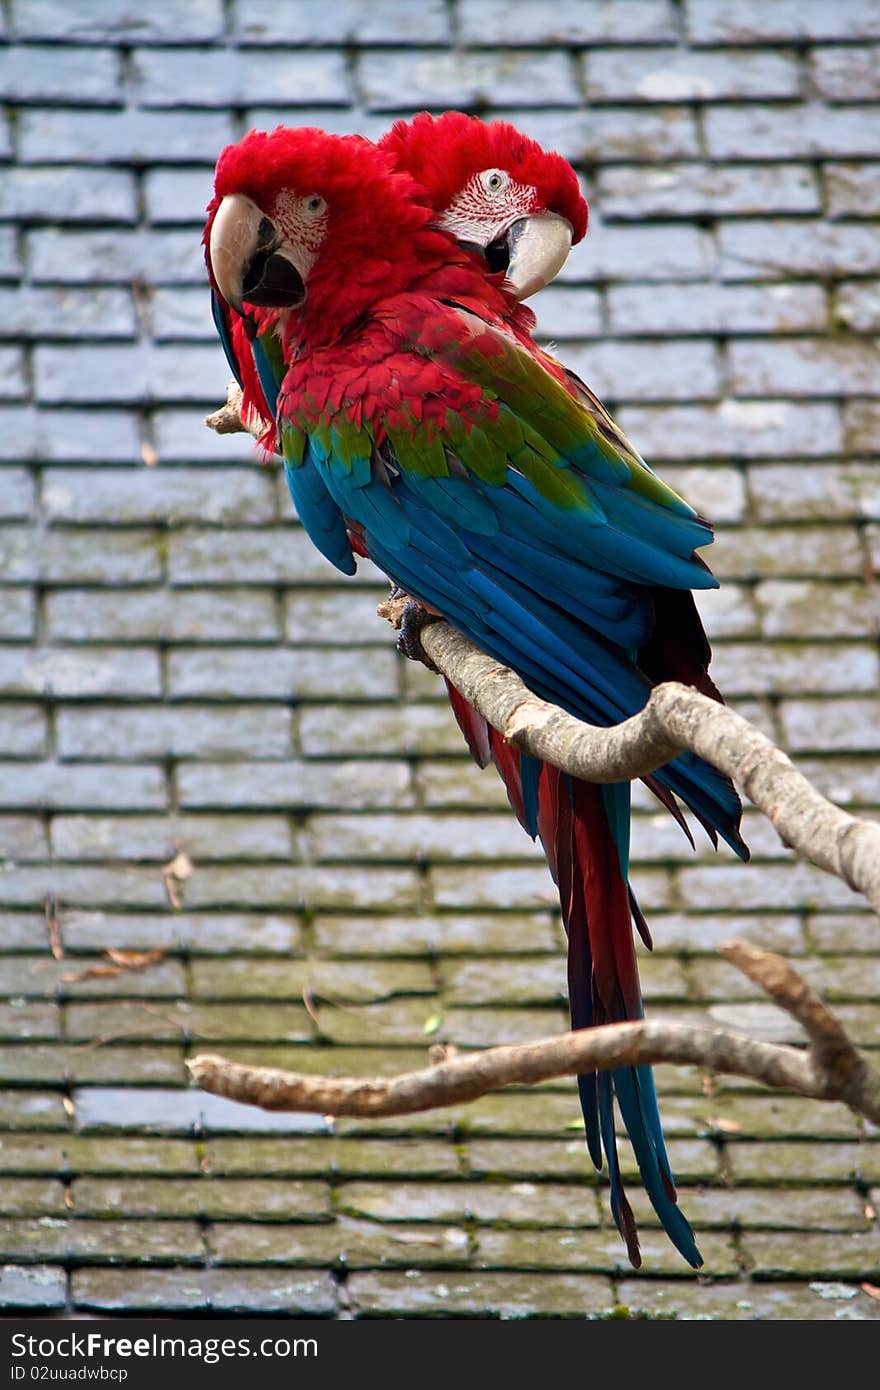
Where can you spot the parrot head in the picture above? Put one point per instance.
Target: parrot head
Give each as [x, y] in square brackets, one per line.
[495, 190]
[316, 225]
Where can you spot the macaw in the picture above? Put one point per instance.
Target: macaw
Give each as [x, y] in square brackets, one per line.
[420, 425]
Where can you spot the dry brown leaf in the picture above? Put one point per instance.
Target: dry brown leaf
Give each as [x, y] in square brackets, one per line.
[53, 926]
[69, 1107]
[870, 1212]
[871, 1290]
[149, 455]
[724, 1126]
[175, 873]
[68, 1198]
[118, 963]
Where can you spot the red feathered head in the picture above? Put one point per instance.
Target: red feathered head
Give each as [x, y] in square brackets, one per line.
[496, 189]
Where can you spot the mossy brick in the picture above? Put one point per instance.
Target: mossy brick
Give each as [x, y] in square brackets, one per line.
[777, 886]
[518, 1113]
[524, 981]
[499, 886]
[33, 1287]
[226, 1291]
[790, 608]
[756, 552]
[424, 730]
[736, 1300]
[263, 1156]
[768, 1116]
[420, 1294]
[636, 370]
[267, 1291]
[453, 934]
[214, 933]
[321, 1059]
[844, 931]
[804, 1161]
[60, 786]
[855, 1255]
[596, 1251]
[794, 668]
[350, 981]
[136, 1242]
[409, 1021]
[164, 979]
[84, 556]
[22, 838]
[475, 1027]
[32, 1197]
[21, 1018]
[271, 555]
[335, 616]
[124, 1154]
[183, 1020]
[29, 1154]
[822, 491]
[32, 1110]
[216, 1199]
[296, 783]
[850, 781]
[36, 1063]
[345, 1242]
[766, 1208]
[205, 837]
[853, 189]
[532, 1159]
[517, 1204]
[126, 1064]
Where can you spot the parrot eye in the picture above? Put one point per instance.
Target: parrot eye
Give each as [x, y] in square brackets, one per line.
[315, 205]
[493, 180]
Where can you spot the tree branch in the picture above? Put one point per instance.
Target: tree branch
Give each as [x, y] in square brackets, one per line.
[676, 717]
[823, 1071]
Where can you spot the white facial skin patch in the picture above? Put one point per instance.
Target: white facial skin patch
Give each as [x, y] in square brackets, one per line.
[489, 202]
[302, 220]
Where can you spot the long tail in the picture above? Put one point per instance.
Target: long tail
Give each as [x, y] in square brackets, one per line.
[585, 833]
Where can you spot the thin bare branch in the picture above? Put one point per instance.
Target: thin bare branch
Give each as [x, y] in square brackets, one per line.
[821, 1073]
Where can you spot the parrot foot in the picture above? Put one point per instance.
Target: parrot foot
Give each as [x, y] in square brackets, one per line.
[409, 642]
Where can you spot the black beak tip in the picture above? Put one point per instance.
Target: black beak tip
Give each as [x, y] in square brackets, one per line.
[272, 282]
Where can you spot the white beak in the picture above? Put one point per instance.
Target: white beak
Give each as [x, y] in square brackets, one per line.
[539, 247]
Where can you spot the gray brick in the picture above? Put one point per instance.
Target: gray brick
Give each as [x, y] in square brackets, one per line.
[73, 674]
[280, 888]
[131, 374]
[57, 313]
[698, 190]
[792, 608]
[853, 189]
[22, 837]
[154, 837]
[115, 257]
[89, 885]
[173, 1111]
[102, 21]
[661, 74]
[667, 251]
[325, 615]
[173, 495]
[148, 731]
[717, 309]
[717, 492]
[9, 258]
[277, 555]
[847, 74]
[751, 21]
[17, 614]
[831, 725]
[64, 195]
[310, 22]
[391, 80]
[794, 668]
[179, 313]
[499, 887]
[857, 305]
[785, 132]
[128, 136]
[604, 135]
[79, 76]
[727, 612]
[5, 139]
[80, 556]
[352, 785]
[177, 195]
[57, 786]
[39, 1286]
[13, 380]
[69, 435]
[846, 780]
[568, 313]
[235, 77]
[80, 615]
[499, 933]
[407, 838]
[778, 886]
[24, 732]
[780, 492]
[180, 436]
[734, 429]
[272, 674]
[812, 367]
[751, 250]
[411, 729]
[568, 22]
[807, 551]
[861, 422]
[647, 371]
[16, 493]
[214, 933]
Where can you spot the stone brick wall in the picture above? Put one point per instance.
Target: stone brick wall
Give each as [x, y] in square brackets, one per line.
[180, 670]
